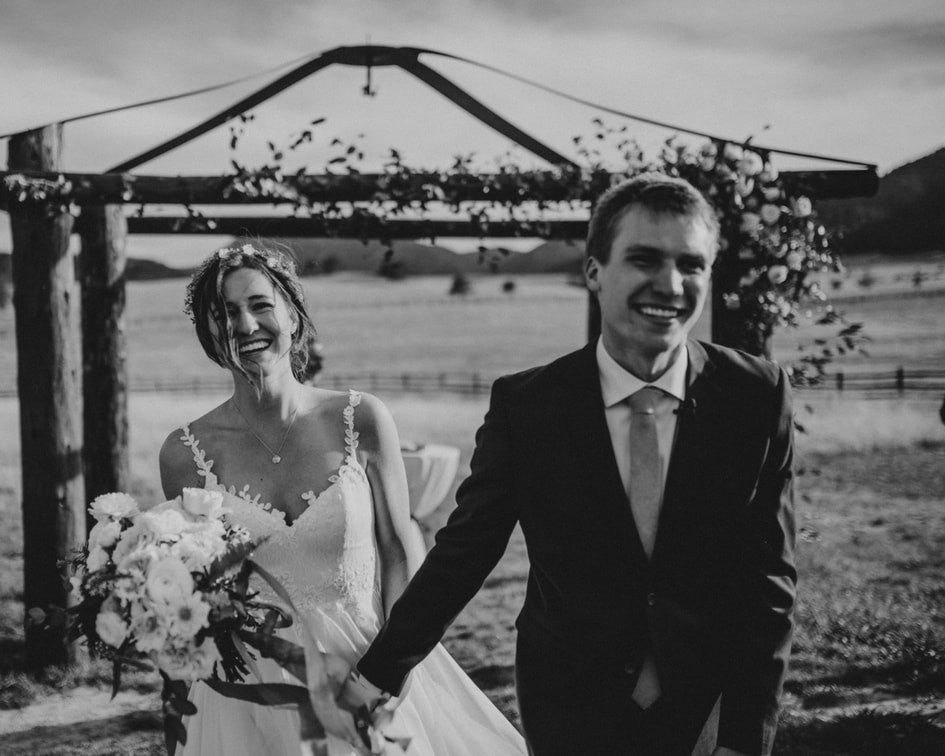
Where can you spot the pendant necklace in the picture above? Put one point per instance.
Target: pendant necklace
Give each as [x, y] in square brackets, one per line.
[276, 454]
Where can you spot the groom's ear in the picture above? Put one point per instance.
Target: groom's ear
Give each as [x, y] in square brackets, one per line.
[591, 274]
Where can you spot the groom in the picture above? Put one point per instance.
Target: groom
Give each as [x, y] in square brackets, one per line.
[659, 521]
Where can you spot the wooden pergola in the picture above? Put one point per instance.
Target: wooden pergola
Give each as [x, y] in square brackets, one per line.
[69, 307]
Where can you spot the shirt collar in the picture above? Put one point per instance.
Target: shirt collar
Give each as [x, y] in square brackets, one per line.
[617, 384]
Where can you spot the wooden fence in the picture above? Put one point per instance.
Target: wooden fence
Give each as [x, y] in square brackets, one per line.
[881, 383]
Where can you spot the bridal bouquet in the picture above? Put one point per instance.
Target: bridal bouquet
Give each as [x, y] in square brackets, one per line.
[168, 587]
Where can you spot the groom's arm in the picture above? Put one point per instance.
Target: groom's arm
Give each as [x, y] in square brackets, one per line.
[466, 549]
[750, 699]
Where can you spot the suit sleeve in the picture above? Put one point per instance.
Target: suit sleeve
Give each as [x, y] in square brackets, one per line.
[762, 642]
[466, 550]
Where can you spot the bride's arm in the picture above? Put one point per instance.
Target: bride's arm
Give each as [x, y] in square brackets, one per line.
[380, 445]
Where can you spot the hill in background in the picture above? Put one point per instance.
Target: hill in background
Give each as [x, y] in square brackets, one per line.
[906, 215]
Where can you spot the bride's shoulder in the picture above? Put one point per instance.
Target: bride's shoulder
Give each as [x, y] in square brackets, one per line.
[182, 444]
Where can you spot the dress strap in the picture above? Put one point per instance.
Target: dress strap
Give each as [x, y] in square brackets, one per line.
[204, 466]
[351, 435]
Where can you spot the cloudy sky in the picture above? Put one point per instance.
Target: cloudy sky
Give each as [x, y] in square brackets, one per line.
[863, 79]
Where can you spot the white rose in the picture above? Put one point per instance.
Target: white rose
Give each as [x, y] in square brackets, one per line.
[113, 506]
[802, 207]
[751, 222]
[129, 541]
[164, 523]
[199, 502]
[794, 259]
[732, 152]
[750, 163]
[198, 550]
[97, 559]
[770, 214]
[769, 174]
[110, 627]
[105, 533]
[777, 274]
[169, 581]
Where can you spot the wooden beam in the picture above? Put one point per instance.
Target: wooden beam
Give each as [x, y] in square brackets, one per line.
[318, 227]
[125, 188]
[49, 382]
[104, 351]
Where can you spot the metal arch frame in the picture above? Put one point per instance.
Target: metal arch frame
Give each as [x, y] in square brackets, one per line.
[369, 56]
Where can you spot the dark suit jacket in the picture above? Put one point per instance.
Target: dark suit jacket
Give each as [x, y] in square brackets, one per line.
[715, 601]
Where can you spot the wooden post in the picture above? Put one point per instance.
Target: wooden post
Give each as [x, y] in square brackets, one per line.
[49, 382]
[104, 353]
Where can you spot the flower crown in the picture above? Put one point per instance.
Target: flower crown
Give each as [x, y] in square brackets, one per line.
[229, 257]
[269, 258]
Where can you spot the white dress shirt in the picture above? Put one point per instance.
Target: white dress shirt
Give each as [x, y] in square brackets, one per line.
[617, 384]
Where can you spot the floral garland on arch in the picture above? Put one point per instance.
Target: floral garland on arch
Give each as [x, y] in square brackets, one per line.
[774, 253]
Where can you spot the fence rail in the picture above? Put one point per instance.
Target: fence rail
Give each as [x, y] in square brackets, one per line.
[884, 383]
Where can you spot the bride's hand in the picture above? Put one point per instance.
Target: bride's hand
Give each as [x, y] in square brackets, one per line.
[335, 720]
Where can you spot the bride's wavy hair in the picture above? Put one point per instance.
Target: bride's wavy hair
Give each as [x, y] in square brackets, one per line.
[204, 302]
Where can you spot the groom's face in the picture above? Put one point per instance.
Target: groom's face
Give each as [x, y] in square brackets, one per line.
[653, 286]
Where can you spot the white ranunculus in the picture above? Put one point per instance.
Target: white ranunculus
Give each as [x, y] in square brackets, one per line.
[110, 627]
[169, 581]
[770, 213]
[199, 502]
[113, 506]
[803, 207]
[105, 533]
[777, 274]
[751, 222]
[97, 559]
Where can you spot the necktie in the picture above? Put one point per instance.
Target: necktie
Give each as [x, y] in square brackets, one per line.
[646, 482]
[646, 479]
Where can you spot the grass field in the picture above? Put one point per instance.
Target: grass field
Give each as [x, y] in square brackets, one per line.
[868, 670]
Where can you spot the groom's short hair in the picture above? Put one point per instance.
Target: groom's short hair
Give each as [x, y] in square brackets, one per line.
[658, 193]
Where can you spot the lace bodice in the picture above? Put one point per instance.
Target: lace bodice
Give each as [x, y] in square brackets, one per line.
[327, 557]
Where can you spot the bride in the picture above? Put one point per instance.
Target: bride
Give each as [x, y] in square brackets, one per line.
[319, 473]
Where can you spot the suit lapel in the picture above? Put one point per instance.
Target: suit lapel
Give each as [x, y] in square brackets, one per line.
[595, 452]
[695, 429]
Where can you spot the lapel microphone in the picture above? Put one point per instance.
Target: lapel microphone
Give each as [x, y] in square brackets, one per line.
[687, 408]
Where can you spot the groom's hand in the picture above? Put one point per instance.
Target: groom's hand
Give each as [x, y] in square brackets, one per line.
[358, 691]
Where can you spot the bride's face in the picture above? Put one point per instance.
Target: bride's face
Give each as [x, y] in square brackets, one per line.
[262, 320]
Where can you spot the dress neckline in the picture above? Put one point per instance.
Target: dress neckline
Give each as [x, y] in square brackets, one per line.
[350, 463]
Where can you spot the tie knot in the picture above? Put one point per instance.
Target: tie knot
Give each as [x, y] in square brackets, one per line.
[643, 402]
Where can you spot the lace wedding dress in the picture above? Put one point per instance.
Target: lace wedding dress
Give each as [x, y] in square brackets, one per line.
[327, 561]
